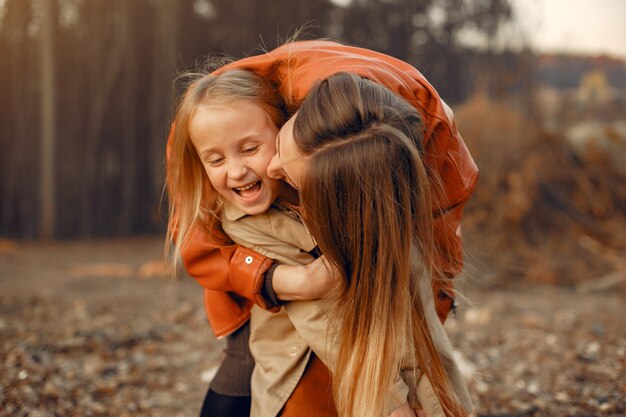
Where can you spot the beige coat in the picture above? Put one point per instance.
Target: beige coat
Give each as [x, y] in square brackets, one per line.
[281, 343]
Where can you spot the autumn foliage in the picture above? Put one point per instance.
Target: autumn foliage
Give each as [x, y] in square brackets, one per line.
[543, 210]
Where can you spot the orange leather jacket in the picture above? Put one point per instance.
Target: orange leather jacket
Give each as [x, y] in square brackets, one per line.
[233, 275]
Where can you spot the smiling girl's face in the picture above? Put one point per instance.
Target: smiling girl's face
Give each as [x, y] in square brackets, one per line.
[235, 142]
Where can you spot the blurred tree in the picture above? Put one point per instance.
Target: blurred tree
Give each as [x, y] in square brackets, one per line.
[19, 107]
[47, 209]
[109, 67]
[239, 27]
[426, 33]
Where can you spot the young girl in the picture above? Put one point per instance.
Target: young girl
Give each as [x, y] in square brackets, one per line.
[227, 123]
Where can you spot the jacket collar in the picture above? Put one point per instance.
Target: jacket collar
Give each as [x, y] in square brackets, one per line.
[232, 213]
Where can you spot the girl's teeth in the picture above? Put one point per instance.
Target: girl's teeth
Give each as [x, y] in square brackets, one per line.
[247, 187]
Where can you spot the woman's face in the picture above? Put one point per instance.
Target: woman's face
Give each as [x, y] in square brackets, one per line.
[235, 143]
[287, 165]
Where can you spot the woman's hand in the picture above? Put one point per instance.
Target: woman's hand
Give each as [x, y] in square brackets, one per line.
[309, 282]
[404, 410]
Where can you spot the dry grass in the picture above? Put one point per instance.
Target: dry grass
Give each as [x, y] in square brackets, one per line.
[541, 212]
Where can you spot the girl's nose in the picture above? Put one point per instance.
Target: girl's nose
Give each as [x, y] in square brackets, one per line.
[237, 170]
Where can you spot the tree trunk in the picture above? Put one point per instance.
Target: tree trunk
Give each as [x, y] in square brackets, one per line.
[161, 106]
[128, 169]
[48, 120]
[105, 64]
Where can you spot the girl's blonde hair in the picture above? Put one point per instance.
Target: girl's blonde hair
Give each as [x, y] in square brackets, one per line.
[193, 202]
[367, 199]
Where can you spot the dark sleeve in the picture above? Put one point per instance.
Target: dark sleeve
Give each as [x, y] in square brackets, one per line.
[267, 291]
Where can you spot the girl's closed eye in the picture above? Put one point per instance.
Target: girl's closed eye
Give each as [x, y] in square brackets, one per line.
[215, 161]
[250, 150]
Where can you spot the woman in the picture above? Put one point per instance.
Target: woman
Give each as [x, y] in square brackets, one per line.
[353, 151]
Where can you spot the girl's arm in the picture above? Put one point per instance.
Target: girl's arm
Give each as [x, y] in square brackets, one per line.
[236, 269]
[228, 268]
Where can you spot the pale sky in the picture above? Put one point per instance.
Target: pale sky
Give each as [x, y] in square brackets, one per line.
[592, 26]
[579, 26]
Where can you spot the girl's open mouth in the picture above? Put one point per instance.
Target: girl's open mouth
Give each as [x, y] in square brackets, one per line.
[248, 191]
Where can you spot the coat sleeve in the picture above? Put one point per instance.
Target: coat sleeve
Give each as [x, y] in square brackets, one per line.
[228, 268]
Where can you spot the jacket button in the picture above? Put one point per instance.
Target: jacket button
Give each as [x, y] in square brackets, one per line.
[248, 260]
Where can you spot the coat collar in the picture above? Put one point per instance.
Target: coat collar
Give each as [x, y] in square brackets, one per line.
[232, 213]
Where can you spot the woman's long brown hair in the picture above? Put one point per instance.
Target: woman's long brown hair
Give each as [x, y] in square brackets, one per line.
[367, 200]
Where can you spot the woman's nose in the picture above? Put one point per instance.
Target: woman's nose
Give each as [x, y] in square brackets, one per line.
[274, 169]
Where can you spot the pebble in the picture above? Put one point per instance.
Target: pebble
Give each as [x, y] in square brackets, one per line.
[606, 407]
[561, 396]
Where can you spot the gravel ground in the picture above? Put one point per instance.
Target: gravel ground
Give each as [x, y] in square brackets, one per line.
[91, 329]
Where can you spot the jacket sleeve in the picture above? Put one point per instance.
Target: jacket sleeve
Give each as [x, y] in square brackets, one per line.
[229, 268]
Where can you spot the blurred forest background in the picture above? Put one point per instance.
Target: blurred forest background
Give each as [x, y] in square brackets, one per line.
[88, 327]
[88, 92]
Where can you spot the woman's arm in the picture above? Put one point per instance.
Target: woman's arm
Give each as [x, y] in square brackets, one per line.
[308, 282]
